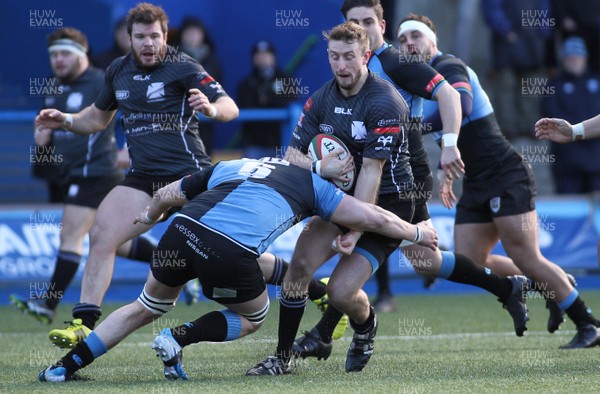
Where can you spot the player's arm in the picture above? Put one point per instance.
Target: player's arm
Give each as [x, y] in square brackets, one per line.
[367, 189]
[165, 198]
[561, 131]
[449, 104]
[361, 216]
[88, 121]
[223, 109]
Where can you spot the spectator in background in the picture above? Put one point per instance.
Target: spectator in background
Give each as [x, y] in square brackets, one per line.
[260, 90]
[519, 41]
[577, 96]
[195, 41]
[581, 18]
[121, 46]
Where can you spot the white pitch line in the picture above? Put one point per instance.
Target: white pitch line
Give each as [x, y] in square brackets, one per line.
[389, 337]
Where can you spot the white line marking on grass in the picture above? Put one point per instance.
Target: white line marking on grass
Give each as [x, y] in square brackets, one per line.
[388, 337]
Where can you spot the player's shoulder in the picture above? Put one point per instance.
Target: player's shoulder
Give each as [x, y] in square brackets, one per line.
[376, 84]
[447, 59]
[94, 74]
[118, 64]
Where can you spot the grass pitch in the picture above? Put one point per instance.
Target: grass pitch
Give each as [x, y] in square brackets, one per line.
[433, 344]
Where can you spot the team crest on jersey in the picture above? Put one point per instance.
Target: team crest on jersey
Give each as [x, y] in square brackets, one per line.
[385, 140]
[74, 101]
[495, 204]
[359, 131]
[325, 128]
[155, 92]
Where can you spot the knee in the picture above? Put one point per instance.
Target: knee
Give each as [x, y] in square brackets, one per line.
[339, 297]
[300, 269]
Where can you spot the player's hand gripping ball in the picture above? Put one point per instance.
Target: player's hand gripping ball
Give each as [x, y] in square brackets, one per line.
[323, 144]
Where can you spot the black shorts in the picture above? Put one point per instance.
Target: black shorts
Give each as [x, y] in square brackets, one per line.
[423, 192]
[228, 272]
[147, 183]
[510, 193]
[375, 247]
[89, 192]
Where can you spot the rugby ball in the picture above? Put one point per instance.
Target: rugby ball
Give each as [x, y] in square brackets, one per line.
[321, 146]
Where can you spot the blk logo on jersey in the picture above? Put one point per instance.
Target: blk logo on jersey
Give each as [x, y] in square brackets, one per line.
[141, 77]
[359, 131]
[343, 111]
[155, 92]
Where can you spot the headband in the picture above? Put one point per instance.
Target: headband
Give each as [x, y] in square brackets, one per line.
[419, 26]
[66, 44]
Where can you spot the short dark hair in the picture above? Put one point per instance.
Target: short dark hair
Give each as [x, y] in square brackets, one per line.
[69, 33]
[349, 4]
[349, 33]
[416, 17]
[147, 14]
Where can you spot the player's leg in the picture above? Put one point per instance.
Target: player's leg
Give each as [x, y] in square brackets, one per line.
[313, 248]
[345, 292]
[458, 268]
[521, 244]
[274, 269]
[155, 300]
[112, 227]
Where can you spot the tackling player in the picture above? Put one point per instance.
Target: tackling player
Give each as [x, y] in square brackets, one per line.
[233, 211]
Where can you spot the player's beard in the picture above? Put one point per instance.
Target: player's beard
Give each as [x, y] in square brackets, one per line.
[348, 84]
[157, 59]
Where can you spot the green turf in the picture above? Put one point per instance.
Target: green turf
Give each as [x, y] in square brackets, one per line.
[434, 343]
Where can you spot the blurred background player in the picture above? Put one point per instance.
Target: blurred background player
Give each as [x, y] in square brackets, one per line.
[161, 127]
[576, 168]
[88, 169]
[262, 88]
[497, 202]
[121, 46]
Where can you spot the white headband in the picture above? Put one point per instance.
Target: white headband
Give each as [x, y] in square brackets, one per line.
[419, 26]
[66, 44]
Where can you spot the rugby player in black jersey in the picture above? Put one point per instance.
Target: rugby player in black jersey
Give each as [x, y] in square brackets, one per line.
[497, 202]
[365, 112]
[88, 168]
[416, 81]
[151, 85]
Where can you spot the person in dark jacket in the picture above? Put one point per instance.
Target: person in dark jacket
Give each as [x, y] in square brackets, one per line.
[577, 96]
[266, 87]
[520, 30]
